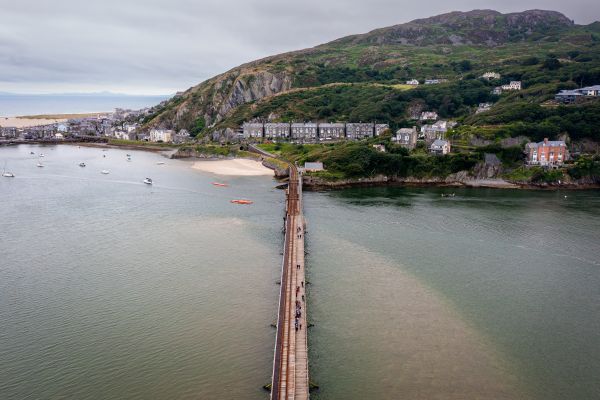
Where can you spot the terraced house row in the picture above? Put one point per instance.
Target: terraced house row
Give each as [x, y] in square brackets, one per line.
[307, 132]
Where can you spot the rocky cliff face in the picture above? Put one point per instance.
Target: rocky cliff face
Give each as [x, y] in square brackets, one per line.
[214, 99]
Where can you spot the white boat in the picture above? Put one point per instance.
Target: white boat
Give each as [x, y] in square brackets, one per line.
[40, 165]
[6, 173]
[148, 181]
[42, 155]
[105, 172]
[160, 163]
[82, 164]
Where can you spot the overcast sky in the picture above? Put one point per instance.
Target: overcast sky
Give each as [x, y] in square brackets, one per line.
[162, 46]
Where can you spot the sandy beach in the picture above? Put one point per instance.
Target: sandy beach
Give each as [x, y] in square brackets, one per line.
[234, 167]
[17, 122]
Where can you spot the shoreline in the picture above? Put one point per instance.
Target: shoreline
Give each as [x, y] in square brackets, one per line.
[312, 183]
[317, 184]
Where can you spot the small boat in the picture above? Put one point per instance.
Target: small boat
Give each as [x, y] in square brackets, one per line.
[8, 174]
[42, 155]
[242, 201]
[82, 164]
[220, 184]
[40, 165]
[148, 181]
[31, 152]
[105, 172]
[103, 155]
[448, 194]
[160, 163]
[128, 155]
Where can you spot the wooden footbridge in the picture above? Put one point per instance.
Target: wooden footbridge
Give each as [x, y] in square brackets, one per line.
[290, 363]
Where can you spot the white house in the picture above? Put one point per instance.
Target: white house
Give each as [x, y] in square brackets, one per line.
[483, 107]
[161, 135]
[491, 75]
[435, 81]
[429, 116]
[313, 166]
[513, 85]
[413, 82]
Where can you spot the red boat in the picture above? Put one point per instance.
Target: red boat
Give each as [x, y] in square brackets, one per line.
[220, 184]
[242, 201]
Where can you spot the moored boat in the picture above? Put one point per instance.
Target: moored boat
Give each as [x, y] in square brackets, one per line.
[105, 172]
[241, 201]
[7, 174]
[220, 184]
[82, 164]
[147, 181]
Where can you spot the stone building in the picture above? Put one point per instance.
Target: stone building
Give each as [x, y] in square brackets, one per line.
[304, 132]
[380, 128]
[406, 137]
[253, 130]
[360, 130]
[277, 130]
[332, 131]
[440, 147]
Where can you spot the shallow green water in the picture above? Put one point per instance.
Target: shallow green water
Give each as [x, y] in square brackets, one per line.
[416, 296]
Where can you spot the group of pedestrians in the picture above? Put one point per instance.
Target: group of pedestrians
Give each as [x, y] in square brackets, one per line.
[297, 322]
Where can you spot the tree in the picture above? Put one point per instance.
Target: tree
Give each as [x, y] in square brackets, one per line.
[551, 64]
[198, 127]
[465, 65]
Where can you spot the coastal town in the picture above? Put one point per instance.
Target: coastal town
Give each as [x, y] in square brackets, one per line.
[428, 130]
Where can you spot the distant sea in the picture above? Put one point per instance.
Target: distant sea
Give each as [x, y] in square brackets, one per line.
[12, 105]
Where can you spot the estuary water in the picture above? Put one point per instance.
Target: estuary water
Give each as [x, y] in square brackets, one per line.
[492, 294]
[113, 289]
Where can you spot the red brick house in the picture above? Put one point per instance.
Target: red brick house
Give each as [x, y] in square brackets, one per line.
[547, 153]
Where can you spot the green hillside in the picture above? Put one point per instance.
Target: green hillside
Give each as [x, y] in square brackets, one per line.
[362, 78]
[359, 77]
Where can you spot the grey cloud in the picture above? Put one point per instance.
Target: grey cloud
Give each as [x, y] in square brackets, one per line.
[168, 45]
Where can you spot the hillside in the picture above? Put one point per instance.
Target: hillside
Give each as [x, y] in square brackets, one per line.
[359, 77]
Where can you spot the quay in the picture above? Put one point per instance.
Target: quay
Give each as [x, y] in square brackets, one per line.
[290, 361]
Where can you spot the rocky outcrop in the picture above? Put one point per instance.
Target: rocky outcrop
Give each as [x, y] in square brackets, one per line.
[479, 27]
[215, 99]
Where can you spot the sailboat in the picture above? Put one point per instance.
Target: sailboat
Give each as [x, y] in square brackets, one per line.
[6, 173]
